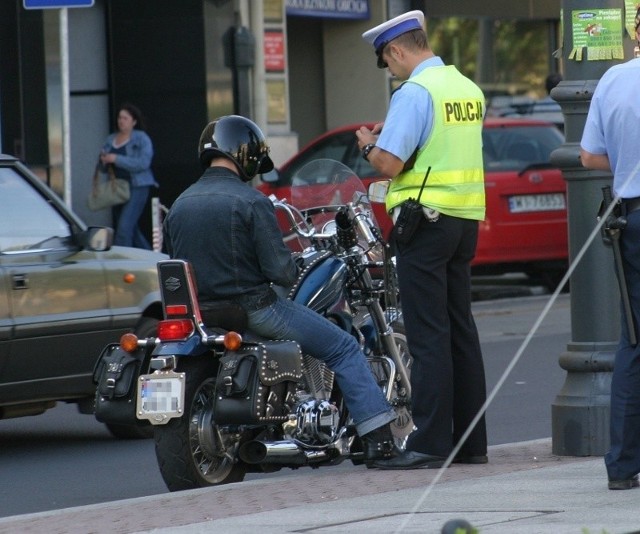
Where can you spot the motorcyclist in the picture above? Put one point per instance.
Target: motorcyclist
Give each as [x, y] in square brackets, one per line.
[228, 231]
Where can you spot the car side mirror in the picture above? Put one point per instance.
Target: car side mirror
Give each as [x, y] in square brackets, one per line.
[98, 238]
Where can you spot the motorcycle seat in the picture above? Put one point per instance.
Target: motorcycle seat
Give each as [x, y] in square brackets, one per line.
[225, 314]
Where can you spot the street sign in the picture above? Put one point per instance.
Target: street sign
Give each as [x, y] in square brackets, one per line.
[50, 4]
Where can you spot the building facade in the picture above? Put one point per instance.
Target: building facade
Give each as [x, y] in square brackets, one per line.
[296, 67]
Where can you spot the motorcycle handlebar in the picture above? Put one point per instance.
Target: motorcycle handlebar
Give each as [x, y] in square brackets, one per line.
[297, 223]
[303, 229]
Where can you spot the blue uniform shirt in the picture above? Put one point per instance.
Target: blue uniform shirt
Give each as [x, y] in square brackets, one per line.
[410, 117]
[613, 125]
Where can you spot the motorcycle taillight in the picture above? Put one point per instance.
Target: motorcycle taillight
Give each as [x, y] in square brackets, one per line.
[175, 329]
[176, 309]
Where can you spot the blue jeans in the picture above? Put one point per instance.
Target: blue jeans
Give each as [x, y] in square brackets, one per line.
[325, 341]
[126, 217]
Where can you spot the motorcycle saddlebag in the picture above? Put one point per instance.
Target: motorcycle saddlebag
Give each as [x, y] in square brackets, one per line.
[257, 383]
[115, 375]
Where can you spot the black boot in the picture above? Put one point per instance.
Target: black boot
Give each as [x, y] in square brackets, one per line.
[378, 444]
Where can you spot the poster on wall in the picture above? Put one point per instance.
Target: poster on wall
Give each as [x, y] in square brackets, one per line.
[273, 10]
[598, 32]
[274, 51]
[631, 7]
[276, 102]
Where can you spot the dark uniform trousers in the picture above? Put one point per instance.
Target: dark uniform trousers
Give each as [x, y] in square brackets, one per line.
[623, 458]
[447, 377]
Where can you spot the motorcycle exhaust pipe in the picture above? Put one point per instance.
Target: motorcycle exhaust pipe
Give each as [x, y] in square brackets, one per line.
[277, 452]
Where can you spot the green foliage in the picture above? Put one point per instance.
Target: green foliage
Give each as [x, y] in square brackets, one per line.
[455, 40]
[520, 52]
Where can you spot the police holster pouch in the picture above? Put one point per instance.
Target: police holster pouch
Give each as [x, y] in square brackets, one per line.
[257, 383]
[408, 220]
[115, 375]
[614, 222]
[411, 213]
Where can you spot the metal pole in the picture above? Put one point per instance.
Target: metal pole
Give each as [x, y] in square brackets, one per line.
[486, 65]
[259, 85]
[64, 76]
[580, 412]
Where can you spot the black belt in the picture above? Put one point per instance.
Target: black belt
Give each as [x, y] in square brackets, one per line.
[630, 205]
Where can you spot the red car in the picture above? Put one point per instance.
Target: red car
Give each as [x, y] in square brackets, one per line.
[525, 229]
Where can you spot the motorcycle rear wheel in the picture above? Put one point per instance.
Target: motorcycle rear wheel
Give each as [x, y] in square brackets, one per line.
[191, 450]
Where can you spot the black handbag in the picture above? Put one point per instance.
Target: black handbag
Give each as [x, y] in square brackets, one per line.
[256, 384]
[115, 375]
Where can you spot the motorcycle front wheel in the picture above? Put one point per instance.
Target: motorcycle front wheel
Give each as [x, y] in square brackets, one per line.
[192, 451]
[403, 425]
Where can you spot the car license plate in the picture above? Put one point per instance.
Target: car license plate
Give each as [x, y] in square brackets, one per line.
[160, 397]
[528, 203]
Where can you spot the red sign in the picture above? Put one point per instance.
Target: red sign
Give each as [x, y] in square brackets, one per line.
[274, 51]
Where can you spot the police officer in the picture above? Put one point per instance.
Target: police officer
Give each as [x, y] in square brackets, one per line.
[434, 124]
[611, 142]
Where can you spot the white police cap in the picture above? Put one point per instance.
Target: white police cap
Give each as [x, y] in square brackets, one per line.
[387, 31]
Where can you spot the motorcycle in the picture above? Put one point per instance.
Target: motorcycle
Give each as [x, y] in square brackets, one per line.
[224, 402]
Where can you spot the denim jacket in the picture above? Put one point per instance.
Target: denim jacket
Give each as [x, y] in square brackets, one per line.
[228, 231]
[137, 161]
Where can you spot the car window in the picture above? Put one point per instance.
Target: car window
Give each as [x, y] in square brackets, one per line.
[29, 222]
[359, 165]
[334, 147]
[513, 148]
[341, 147]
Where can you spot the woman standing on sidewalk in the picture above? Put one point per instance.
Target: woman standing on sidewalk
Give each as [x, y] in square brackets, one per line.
[130, 151]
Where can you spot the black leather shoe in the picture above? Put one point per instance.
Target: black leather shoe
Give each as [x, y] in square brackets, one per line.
[378, 444]
[411, 460]
[465, 459]
[625, 484]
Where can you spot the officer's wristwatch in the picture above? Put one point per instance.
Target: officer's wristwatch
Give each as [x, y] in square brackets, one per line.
[366, 149]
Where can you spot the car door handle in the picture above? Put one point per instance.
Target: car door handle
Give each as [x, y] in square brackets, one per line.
[19, 281]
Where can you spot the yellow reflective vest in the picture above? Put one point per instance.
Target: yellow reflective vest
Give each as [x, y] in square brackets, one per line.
[453, 149]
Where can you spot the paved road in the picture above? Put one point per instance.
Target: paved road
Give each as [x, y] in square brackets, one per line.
[63, 459]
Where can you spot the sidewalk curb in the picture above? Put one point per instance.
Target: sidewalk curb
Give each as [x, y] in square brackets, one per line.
[307, 486]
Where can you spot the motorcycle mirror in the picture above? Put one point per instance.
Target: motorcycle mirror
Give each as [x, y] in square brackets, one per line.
[378, 191]
[270, 177]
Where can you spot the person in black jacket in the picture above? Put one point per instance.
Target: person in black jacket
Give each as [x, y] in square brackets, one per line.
[228, 231]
